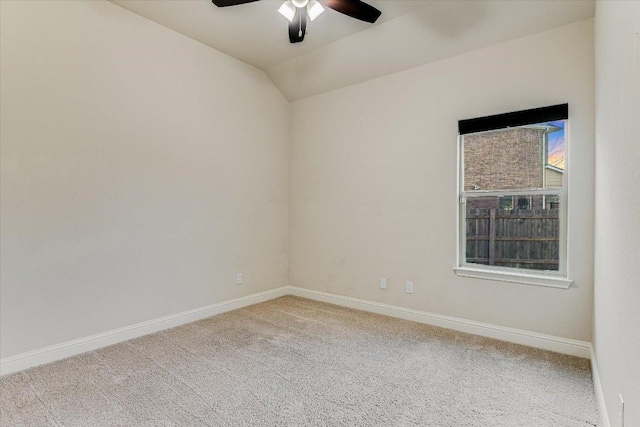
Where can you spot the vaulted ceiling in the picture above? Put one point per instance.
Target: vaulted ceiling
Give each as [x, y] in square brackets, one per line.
[339, 51]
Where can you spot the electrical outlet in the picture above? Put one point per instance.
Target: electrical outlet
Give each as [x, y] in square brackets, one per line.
[383, 283]
[239, 279]
[621, 411]
[408, 287]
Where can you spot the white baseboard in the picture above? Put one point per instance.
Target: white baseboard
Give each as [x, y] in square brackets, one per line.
[597, 385]
[71, 348]
[52, 353]
[518, 336]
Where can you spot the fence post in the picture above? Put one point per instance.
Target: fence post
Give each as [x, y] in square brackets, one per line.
[492, 236]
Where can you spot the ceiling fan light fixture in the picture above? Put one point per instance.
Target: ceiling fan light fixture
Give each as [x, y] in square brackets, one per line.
[288, 10]
[314, 9]
[298, 12]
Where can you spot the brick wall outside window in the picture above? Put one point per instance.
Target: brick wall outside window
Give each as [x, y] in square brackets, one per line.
[505, 159]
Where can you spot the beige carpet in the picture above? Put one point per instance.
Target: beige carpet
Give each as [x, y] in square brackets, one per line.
[296, 362]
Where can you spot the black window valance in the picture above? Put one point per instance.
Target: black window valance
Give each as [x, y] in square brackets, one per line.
[516, 118]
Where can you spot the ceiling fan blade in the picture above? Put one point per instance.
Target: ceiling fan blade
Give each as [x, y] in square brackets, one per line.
[225, 3]
[298, 27]
[355, 9]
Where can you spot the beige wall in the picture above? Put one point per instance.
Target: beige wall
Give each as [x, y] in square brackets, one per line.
[140, 171]
[617, 228]
[373, 182]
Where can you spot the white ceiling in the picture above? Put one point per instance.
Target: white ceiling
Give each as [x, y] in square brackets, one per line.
[339, 51]
[255, 32]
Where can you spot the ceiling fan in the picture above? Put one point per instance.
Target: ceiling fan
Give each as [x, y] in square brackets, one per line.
[297, 12]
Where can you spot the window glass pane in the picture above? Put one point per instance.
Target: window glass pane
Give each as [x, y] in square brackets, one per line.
[506, 202]
[523, 235]
[526, 157]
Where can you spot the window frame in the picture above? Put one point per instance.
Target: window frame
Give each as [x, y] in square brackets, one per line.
[549, 278]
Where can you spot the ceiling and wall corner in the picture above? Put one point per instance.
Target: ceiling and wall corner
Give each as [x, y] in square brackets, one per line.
[340, 51]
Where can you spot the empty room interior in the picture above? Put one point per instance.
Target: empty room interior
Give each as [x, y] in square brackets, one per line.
[320, 213]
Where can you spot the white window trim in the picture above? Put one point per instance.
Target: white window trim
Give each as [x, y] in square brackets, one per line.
[505, 275]
[553, 279]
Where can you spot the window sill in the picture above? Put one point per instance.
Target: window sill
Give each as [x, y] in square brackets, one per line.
[515, 277]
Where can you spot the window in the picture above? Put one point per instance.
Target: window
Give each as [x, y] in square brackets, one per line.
[513, 174]
[506, 202]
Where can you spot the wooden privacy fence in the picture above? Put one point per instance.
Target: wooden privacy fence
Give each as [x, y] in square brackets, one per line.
[520, 238]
